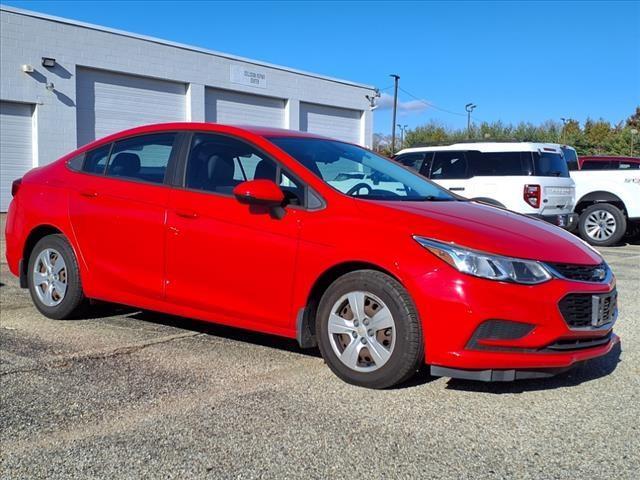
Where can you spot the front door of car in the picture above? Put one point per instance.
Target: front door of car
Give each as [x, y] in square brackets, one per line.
[224, 257]
[450, 170]
[118, 215]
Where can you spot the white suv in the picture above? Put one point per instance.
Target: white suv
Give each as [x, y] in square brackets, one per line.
[528, 178]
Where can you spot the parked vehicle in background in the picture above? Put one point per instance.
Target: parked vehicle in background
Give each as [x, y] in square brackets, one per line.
[608, 163]
[528, 178]
[244, 227]
[607, 196]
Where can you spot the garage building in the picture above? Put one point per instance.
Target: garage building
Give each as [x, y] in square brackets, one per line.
[65, 83]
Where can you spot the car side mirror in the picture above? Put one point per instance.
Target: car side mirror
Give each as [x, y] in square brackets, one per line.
[259, 192]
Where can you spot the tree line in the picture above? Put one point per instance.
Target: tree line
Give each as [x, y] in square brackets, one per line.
[594, 137]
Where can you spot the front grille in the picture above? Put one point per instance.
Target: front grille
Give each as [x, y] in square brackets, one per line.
[584, 273]
[577, 309]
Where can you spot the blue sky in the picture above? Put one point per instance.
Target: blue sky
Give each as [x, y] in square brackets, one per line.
[518, 61]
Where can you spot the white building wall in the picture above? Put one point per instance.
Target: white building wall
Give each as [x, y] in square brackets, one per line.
[26, 37]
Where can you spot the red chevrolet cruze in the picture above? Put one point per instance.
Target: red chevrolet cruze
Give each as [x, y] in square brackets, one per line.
[309, 238]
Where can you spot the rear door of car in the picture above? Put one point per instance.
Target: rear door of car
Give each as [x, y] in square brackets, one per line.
[118, 213]
[450, 170]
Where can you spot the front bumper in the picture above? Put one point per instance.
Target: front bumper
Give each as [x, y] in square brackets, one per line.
[453, 306]
[568, 221]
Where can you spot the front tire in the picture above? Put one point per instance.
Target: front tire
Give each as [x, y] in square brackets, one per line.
[368, 330]
[602, 225]
[54, 278]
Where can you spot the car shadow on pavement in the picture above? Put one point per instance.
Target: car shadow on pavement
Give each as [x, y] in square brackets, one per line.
[221, 331]
[585, 372]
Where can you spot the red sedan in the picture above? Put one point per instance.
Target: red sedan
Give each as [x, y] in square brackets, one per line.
[314, 239]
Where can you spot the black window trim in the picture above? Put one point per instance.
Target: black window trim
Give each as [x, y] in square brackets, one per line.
[180, 174]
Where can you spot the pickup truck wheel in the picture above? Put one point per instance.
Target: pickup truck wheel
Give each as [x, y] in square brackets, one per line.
[602, 224]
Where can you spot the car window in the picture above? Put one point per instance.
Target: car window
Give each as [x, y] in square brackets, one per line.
[142, 158]
[499, 163]
[596, 165]
[622, 165]
[548, 164]
[76, 162]
[414, 161]
[570, 157]
[95, 161]
[359, 172]
[449, 165]
[218, 164]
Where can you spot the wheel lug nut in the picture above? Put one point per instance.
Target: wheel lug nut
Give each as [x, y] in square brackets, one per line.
[370, 332]
[356, 323]
[354, 334]
[366, 322]
[363, 340]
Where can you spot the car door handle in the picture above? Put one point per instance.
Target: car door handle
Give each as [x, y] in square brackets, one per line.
[89, 194]
[457, 189]
[186, 213]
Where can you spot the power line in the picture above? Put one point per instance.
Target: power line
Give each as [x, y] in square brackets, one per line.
[435, 107]
[431, 105]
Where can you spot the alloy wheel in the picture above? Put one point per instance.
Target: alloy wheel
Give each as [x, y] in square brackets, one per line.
[600, 225]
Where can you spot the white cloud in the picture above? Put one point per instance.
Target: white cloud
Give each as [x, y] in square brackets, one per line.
[385, 102]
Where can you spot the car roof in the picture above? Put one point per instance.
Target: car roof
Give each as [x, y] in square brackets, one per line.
[205, 126]
[489, 147]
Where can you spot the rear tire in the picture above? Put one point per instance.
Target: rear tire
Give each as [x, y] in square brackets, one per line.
[384, 332]
[53, 278]
[602, 225]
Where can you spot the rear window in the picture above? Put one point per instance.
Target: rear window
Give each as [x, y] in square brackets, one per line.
[609, 165]
[628, 166]
[496, 164]
[548, 164]
[597, 165]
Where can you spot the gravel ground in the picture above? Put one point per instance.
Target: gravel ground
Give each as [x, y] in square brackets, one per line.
[128, 394]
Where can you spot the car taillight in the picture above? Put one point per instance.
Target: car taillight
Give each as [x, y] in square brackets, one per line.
[532, 194]
[15, 186]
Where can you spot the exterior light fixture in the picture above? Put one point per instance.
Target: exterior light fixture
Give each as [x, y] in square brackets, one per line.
[48, 62]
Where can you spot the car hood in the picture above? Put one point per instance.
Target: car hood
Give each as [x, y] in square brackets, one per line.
[489, 229]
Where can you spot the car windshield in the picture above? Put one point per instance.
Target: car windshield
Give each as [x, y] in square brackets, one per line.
[358, 172]
[547, 164]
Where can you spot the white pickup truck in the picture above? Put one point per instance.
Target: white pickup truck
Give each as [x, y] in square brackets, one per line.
[607, 196]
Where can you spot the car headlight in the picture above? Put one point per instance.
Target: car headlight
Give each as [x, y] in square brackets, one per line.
[487, 265]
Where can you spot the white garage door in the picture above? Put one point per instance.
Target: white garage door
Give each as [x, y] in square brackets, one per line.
[339, 123]
[234, 108]
[109, 102]
[16, 150]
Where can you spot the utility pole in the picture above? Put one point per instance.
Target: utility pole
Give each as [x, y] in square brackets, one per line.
[564, 126]
[395, 108]
[402, 129]
[469, 107]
